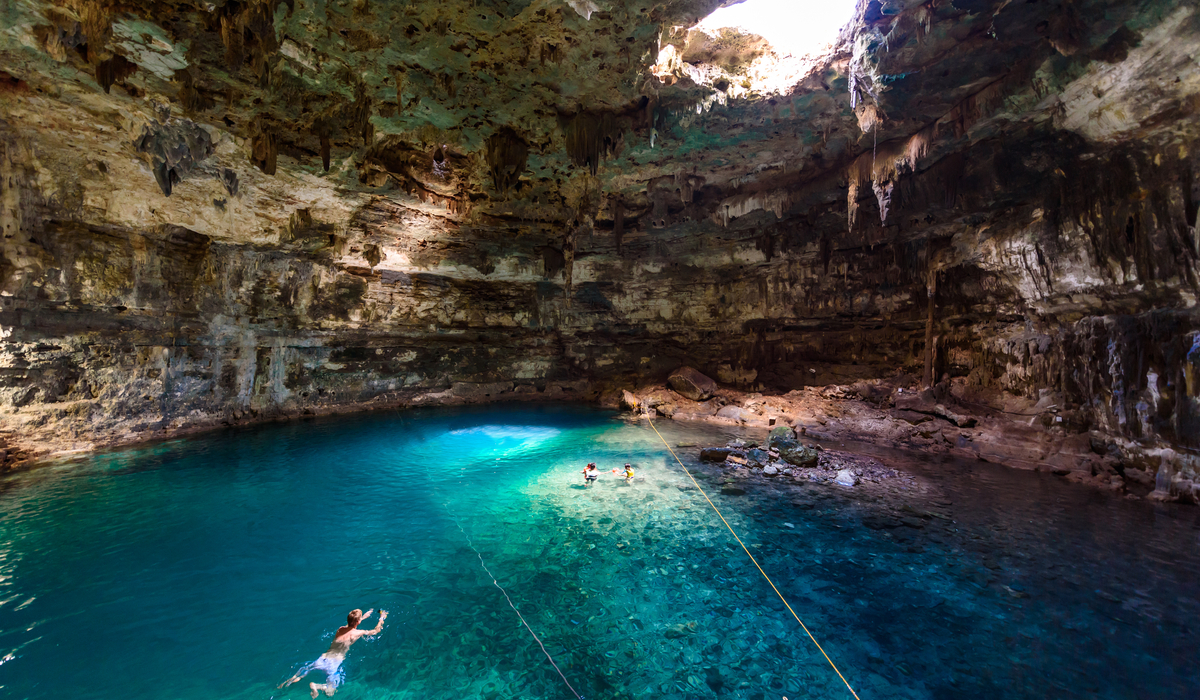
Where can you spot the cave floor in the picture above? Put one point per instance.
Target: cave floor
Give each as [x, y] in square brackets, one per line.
[939, 578]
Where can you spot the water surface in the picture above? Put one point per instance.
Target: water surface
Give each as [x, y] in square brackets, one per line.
[216, 566]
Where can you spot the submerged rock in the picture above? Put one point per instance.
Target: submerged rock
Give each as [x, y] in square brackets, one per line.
[715, 454]
[680, 630]
[691, 384]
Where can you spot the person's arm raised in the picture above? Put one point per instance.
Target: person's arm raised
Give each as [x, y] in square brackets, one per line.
[382, 617]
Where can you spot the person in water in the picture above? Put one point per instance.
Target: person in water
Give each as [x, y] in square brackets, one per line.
[590, 473]
[331, 661]
[628, 473]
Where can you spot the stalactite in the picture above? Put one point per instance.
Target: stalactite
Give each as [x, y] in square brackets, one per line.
[1067, 32]
[852, 204]
[359, 115]
[95, 21]
[931, 292]
[868, 116]
[506, 155]
[190, 97]
[230, 180]
[324, 137]
[263, 147]
[618, 214]
[883, 195]
[590, 138]
[232, 31]
[114, 70]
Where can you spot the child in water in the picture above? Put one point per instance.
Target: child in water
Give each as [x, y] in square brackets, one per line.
[628, 473]
[590, 473]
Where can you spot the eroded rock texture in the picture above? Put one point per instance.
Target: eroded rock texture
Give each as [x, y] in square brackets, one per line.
[219, 211]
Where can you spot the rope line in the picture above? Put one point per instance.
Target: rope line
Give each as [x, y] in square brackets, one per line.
[496, 583]
[510, 603]
[747, 551]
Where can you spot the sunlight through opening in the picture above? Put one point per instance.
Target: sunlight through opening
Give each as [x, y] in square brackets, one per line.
[796, 27]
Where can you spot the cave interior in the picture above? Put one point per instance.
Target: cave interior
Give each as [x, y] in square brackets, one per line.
[222, 213]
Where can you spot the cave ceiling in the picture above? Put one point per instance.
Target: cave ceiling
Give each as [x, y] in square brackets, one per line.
[486, 113]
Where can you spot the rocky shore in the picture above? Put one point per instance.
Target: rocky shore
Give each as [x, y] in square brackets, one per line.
[948, 419]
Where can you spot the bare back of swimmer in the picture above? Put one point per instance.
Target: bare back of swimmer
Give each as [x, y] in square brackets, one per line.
[331, 661]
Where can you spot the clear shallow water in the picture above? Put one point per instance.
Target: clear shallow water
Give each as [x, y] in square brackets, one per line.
[215, 566]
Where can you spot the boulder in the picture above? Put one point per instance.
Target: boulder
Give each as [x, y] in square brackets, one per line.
[912, 417]
[758, 456]
[715, 454]
[846, 477]
[629, 401]
[692, 384]
[794, 453]
[770, 470]
[732, 413]
[782, 431]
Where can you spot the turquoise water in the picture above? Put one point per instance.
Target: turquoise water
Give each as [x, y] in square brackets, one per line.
[216, 566]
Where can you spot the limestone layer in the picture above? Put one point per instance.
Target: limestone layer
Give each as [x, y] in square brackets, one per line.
[218, 213]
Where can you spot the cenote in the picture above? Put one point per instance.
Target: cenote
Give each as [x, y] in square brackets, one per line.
[216, 566]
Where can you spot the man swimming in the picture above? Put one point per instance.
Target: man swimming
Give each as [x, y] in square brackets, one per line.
[331, 661]
[590, 473]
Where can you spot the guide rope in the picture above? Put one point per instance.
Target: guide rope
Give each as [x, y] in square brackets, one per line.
[504, 592]
[747, 551]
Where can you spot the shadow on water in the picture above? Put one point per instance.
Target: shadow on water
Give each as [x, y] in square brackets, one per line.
[165, 555]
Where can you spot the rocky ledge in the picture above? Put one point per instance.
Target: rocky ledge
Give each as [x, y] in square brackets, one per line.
[948, 419]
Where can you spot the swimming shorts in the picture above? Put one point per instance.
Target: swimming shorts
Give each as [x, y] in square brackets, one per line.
[335, 675]
[591, 477]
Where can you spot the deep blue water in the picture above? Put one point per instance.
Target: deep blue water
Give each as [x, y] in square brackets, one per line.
[215, 566]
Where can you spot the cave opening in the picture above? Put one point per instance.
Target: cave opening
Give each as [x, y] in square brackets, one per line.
[796, 28]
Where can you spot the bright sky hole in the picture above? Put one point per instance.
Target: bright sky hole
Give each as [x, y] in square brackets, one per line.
[798, 27]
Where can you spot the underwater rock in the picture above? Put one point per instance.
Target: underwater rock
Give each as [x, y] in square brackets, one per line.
[692, 384]
[715, 454]
[680, 630]
[845, 477]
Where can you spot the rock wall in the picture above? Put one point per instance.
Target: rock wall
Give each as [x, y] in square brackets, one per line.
[293, 221]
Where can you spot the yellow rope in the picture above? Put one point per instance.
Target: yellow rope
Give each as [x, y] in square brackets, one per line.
[747, 551]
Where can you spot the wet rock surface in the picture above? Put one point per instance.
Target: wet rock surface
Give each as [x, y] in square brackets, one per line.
[804, 430]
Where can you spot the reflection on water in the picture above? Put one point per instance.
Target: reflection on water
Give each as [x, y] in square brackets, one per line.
[213, 567]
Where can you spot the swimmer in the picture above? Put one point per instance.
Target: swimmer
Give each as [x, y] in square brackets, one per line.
[628, 472]
[331, 661]
[590, 473]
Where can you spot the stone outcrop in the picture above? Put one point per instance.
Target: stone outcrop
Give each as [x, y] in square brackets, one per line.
[220, 213]
[690, 383]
